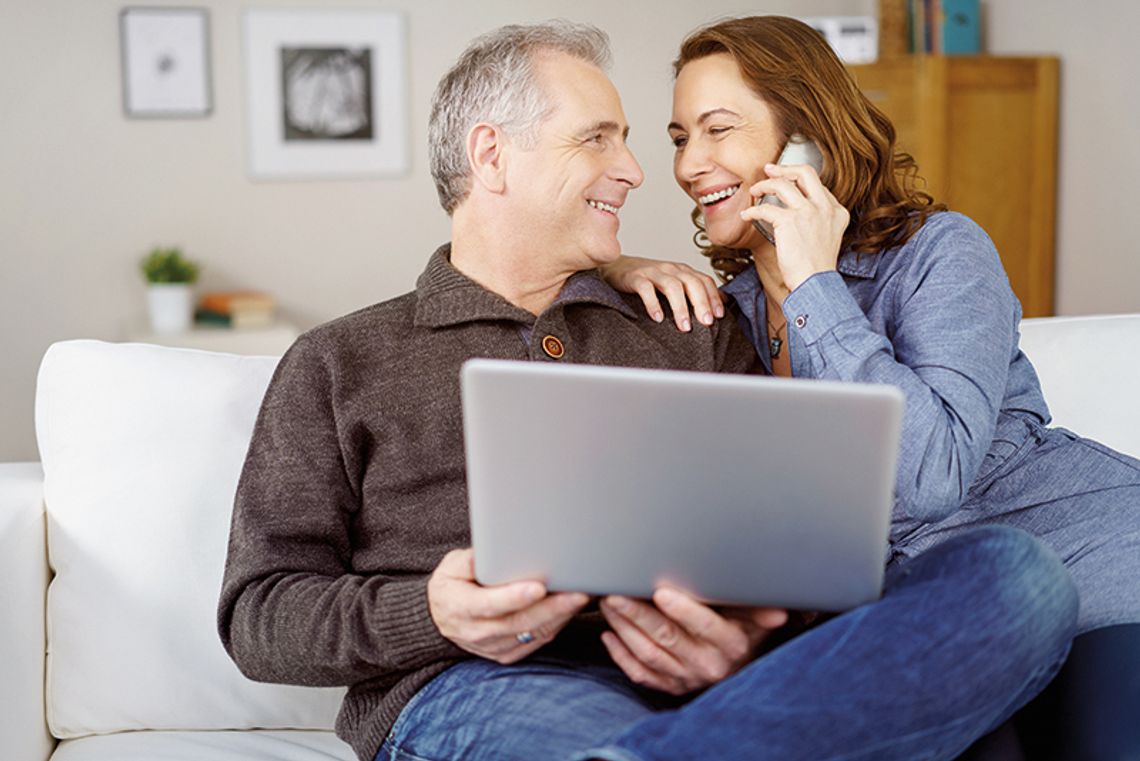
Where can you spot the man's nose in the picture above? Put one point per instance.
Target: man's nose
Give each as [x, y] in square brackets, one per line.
[626, 169]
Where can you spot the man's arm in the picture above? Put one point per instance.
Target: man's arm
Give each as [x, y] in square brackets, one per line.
[292, 608]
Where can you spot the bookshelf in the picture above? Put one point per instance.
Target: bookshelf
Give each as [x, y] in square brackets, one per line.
[983, 130]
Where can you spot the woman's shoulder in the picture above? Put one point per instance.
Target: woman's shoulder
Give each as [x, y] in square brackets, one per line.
[949, 239]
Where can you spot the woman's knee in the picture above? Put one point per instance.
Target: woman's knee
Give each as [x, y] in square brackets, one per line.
[1015, 582]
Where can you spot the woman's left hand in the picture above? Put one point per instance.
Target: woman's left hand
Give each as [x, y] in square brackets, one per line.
[677, 644]
[809, 230]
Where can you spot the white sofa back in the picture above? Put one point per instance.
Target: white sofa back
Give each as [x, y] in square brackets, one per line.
[1090, 374]
[141, 448]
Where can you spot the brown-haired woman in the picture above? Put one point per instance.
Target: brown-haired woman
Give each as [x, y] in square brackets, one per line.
[867, 280]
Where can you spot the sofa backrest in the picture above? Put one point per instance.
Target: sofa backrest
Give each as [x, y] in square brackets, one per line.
[142, 447]
[1090, 369]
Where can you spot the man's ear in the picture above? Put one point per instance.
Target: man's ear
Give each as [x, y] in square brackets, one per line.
[486, 156]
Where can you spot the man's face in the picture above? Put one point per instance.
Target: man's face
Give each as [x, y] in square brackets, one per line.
[570, 187]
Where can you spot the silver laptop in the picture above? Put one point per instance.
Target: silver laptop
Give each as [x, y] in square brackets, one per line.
[738, 489]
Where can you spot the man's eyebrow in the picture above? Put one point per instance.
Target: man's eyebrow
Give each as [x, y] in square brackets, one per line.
[704, 117]
[604, 126]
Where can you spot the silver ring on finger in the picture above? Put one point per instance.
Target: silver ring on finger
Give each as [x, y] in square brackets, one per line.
[524, 638]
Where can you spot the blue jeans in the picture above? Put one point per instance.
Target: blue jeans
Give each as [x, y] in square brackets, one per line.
[963, 636]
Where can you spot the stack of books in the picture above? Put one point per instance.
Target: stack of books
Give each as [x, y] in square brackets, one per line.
[950, 27]
[236, 309]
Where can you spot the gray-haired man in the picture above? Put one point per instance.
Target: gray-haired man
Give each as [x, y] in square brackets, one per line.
[348, 560]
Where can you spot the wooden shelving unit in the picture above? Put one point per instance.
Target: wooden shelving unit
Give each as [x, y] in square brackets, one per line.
[984, 132]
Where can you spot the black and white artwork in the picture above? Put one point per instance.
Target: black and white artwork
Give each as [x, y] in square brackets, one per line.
[327, 93]
[165, 58]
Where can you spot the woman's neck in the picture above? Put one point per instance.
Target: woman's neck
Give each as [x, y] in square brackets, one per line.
[768, 269]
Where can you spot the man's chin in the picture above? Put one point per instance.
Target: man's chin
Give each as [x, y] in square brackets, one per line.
[604, 256]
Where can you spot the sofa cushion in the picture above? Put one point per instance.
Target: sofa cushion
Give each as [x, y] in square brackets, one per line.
[206, 746]
[142, 447]
[1088, 368]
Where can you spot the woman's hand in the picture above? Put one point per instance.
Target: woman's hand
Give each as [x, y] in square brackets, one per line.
[680, 283]
[809, 230]
[678, 645]
[503, 623]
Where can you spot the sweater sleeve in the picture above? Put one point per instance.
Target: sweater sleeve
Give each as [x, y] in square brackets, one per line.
[292, 609]
[954, 323]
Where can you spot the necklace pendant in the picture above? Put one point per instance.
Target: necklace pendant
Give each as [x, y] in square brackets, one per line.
[774, 345]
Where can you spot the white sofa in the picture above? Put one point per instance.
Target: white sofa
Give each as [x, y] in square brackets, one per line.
[111, 554]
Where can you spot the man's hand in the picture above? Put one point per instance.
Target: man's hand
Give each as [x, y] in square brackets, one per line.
[678, 645]
[503, 623]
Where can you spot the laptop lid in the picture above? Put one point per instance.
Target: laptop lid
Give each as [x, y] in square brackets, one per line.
[738, 489]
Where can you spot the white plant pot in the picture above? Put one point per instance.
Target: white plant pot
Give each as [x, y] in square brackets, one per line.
[171, 307]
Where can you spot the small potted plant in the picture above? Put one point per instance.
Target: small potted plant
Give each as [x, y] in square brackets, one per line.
[170, 277]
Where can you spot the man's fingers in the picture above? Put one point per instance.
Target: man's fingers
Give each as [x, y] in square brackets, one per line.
[544, 619]
[703, 623]
[504, 599]
[637, 671]
[769, 618]
[458, 564]
[650, 637]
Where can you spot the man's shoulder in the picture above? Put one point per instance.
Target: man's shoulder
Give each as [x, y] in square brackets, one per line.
[357, 336]
[721, 347]
[394, 314]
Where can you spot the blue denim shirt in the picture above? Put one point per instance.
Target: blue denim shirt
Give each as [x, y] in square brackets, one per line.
[935, 317]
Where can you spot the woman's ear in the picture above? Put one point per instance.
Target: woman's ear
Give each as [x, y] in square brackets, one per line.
[486, 157]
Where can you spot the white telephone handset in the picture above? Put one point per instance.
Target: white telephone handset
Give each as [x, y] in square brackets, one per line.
[799, 150]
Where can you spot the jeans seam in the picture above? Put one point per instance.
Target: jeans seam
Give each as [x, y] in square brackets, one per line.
[395, 753]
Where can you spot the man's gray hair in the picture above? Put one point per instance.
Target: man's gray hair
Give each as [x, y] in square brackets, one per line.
[494, 82]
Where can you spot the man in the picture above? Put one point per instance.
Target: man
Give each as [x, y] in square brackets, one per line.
[348, 560]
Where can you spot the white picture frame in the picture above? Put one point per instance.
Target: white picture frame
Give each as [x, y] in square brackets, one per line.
[326, 93]
[165, 61]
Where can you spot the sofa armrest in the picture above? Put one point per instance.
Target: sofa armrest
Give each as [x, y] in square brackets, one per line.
[23, 592]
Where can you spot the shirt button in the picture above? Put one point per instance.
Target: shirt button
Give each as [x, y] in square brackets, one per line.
[553, 347]
[801, 320]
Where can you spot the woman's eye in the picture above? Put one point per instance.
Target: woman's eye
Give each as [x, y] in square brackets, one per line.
[679, 141]
[718, 130]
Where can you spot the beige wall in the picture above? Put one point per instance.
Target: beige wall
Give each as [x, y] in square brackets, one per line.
[1098, 256]
[84, 191]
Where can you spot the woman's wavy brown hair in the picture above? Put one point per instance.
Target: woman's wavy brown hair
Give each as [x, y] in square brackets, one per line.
[793, 68]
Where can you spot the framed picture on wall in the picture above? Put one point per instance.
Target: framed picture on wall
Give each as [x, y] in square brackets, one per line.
[326, 93]
[166, 62]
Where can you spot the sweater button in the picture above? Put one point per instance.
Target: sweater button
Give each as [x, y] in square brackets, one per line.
[553, 347]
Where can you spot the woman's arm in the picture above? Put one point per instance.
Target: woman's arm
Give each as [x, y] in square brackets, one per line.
[950, 337]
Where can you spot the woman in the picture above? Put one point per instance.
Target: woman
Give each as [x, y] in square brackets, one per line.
[868, 280]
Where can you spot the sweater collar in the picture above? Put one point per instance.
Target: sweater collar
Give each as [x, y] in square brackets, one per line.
[445, 296]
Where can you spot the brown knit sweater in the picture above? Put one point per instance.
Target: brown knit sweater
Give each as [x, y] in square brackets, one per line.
[353, 487]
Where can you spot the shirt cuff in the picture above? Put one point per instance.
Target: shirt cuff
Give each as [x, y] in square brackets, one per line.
[818, 305]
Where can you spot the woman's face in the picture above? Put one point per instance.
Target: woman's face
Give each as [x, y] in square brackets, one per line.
[723, 134]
